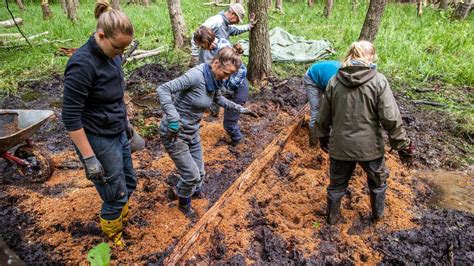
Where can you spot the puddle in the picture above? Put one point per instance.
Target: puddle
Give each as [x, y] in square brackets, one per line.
[452, 189]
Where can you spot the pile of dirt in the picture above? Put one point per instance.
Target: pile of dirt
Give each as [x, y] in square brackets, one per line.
[281, 217]
[445, 236]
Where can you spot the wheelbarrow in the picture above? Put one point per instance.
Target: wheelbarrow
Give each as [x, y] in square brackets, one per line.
[16, 128]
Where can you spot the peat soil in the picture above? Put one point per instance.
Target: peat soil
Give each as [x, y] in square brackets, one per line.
[57, 221]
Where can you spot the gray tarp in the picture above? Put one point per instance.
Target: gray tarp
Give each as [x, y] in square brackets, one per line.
[286, 47]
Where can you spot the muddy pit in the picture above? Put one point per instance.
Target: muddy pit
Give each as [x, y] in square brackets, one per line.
[279, 220]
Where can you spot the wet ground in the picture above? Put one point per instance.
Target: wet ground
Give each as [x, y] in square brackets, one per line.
[282, 217]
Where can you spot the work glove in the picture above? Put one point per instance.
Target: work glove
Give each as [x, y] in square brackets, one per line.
[173, 130]
[94, 169]
[324, 144]
[407, 154]
[194, 61]
[249, 112]
[252, 21]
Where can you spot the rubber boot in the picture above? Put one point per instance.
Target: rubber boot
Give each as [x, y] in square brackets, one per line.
[125, 212]
[184, 205]
[377, 202]
[333, 207]
[113, 229]
[198, 194]
[313, 140]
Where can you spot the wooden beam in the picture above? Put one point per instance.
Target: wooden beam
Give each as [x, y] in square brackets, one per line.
[242, 184]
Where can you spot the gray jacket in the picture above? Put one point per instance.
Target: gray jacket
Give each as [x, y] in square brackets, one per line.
[357, 104]
[222, 28]
[191, 100]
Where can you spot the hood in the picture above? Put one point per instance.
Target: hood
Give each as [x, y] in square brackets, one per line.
[354, 76]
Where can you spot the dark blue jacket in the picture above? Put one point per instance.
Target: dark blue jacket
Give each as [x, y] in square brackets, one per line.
[322, 72]
[93, 92]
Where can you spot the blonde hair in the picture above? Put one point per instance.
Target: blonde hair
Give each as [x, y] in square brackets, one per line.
[111, 21]
[361, 51]
[228, 55]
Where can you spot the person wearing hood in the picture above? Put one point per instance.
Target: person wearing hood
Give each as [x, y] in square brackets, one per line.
[357, 104]
[315, 81]
[237, 87]
[194, 92]
[223, 26]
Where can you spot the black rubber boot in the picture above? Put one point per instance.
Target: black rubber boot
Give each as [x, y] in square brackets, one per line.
[313, 139]
[377, 202]
[198, 194]
[333, 207]
[184, 205]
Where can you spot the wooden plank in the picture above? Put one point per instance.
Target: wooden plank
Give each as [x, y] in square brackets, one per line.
[239, 187]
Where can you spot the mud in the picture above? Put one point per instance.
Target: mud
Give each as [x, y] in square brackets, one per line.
[282, 218]
[444, 237]
[436, 137]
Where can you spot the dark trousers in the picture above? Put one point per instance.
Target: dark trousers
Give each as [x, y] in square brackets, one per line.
[340, 174]
[114, 155]
[231, 117]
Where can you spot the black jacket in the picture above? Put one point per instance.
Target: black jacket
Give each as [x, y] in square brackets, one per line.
[93, 92]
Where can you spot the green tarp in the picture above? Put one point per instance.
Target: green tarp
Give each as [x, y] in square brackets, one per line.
[286, 47]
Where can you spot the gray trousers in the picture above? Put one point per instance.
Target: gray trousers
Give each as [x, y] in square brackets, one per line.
[314, 95]
[341, 172]
[186, 153]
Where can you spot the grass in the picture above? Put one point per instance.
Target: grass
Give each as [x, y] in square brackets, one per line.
[413, 52]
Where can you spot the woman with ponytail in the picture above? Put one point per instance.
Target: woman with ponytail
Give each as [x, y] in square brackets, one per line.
[95, 116]
[357, 104]
[194, 92]
[237, 85]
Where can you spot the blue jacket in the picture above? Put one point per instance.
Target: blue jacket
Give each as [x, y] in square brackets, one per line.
[322, 72]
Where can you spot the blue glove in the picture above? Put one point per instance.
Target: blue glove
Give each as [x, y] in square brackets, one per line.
[173, 130]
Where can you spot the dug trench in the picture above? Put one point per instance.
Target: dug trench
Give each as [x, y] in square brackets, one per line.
[279, 219]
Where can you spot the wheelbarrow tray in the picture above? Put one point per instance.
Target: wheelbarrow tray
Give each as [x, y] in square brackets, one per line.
[28, 122]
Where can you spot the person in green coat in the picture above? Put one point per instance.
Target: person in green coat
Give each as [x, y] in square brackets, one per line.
[357, 104]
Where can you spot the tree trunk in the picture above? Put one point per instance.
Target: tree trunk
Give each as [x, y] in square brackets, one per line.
[71, 10]
[76, 4]
[443, 4]
[310, 3]
[372, 20]
[146, 3]
[419, 7]
[463, 10]
[116, 4]
[328, 8]
[177, 23]
[279, 5]
[63, 6]
[20, 5]
[260, 58]
[46, 10]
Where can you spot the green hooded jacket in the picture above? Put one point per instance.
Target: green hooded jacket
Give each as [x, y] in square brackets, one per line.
[357, 104]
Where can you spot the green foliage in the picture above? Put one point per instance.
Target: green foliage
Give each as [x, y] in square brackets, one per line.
[99, 255]
[316, 225]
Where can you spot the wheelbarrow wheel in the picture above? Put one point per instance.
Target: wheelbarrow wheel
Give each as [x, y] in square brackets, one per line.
[40, 166]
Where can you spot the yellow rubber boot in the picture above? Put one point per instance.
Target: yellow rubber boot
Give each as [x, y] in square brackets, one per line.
[125, 212]
[113, 229]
